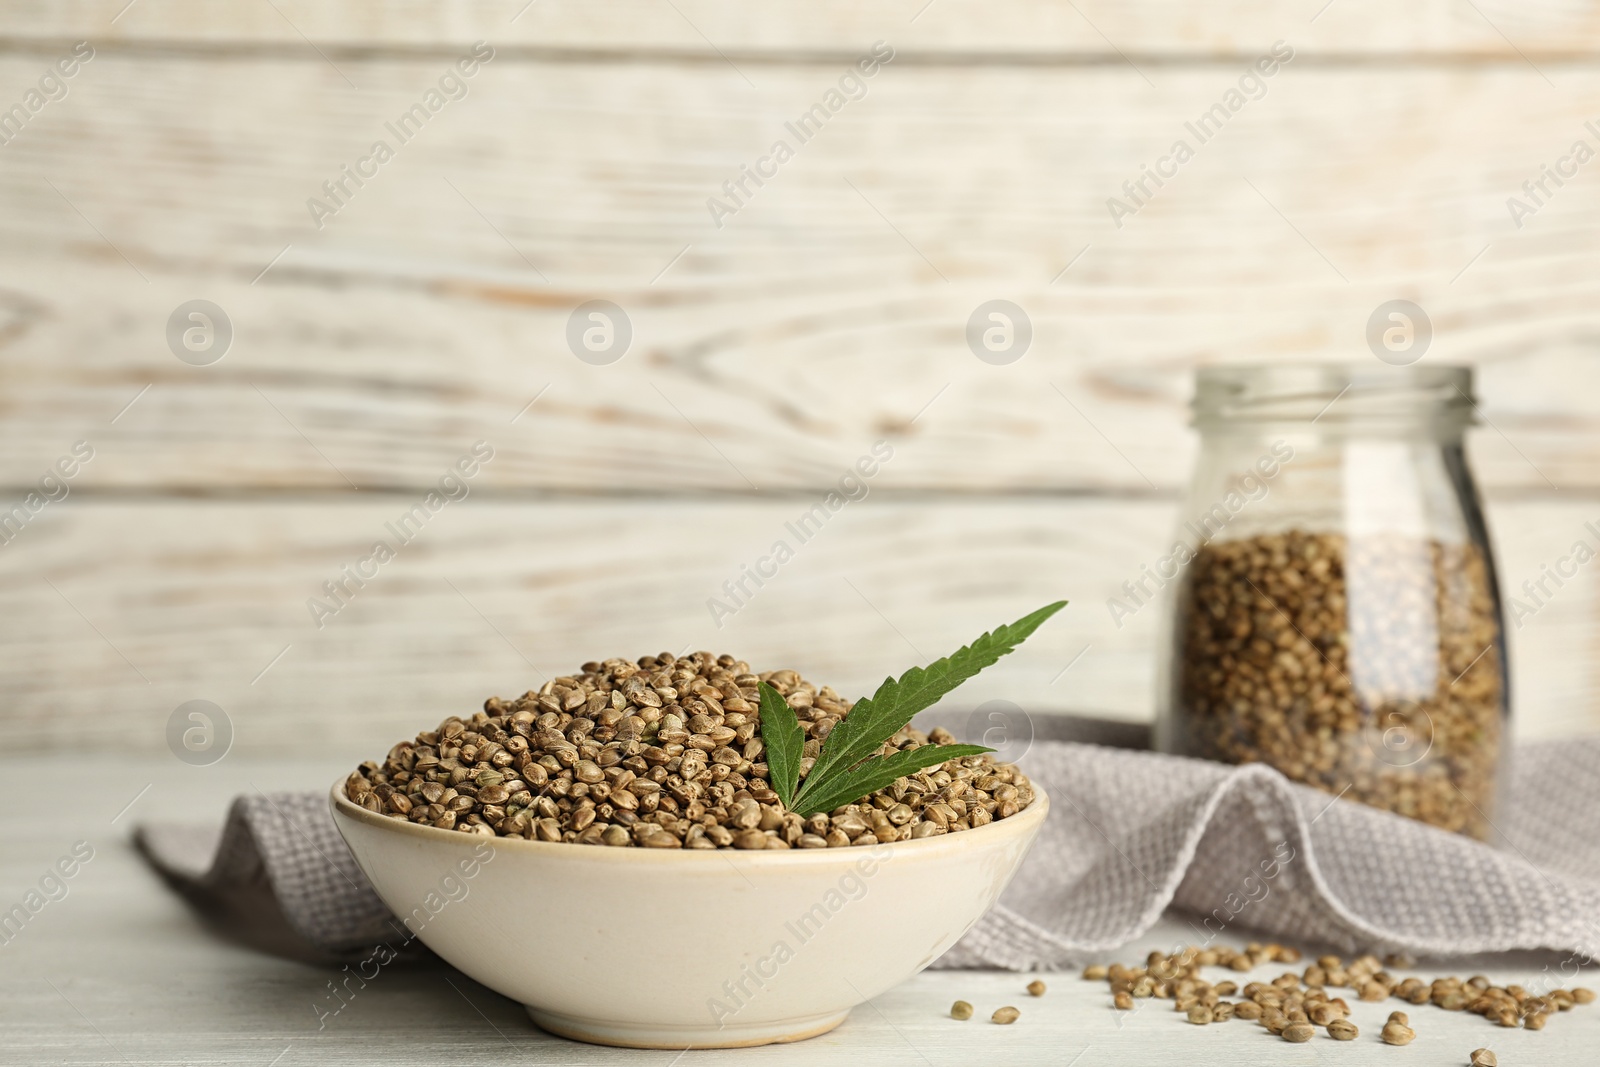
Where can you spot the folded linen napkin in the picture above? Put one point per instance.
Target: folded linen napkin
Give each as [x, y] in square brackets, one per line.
[1132, 833]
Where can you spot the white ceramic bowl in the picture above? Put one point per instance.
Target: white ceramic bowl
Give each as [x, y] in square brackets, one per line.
[676, 949]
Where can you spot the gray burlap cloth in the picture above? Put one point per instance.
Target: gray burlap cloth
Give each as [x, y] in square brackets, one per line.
[1240, 851]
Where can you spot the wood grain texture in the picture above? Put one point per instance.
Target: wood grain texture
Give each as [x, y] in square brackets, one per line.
[829, 311]
[139, 978]
[127, 609]
[769, 352]
[1148, 29]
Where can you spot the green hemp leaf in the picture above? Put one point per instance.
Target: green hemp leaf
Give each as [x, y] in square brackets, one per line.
[850, 765]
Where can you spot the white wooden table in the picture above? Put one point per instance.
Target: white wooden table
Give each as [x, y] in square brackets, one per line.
[121, 971]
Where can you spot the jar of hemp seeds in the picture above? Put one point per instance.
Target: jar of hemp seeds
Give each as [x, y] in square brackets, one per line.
[1334, 608]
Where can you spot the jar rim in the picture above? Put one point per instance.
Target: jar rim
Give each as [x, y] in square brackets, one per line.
[1437, 396]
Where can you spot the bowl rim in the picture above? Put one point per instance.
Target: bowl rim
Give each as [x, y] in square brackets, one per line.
[1023, 823]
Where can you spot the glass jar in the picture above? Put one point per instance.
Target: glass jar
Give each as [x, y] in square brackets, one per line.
[1334, 609]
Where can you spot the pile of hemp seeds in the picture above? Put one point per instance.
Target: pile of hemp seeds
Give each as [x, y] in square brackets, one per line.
[663, 752]
[1368, 667]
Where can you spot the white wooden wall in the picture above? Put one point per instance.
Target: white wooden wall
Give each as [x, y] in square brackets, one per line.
[768, 354]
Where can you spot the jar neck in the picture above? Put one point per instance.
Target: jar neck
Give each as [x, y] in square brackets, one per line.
[1433, 403]
[1235, 435]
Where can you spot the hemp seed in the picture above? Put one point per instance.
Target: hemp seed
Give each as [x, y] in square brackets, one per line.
[1036, 988]
[1397, 1033]
[1283, 1004]
[663, 752]
[1369, 667]
[1299, 1032]
[961, 1010]
[1005, 1016]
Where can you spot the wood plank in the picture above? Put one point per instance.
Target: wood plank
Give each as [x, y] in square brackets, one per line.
[219, 1002]
[1148, 29]
[771, 351]
[129, 608]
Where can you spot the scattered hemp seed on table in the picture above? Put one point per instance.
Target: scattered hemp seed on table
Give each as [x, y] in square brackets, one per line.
[1397, 1031]
[1296, 1003]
